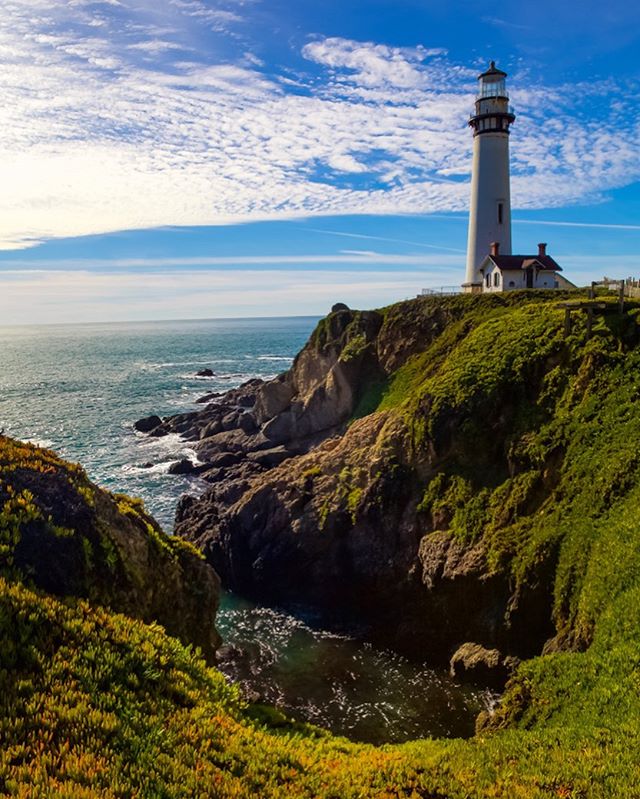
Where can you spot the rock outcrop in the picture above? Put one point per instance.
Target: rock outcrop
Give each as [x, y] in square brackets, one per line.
[474, 663]
[66, 536]
[147, 424]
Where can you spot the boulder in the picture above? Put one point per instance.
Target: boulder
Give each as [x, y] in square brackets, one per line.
[247, 423]
[273, 398]
[211, 429]
[339, 306]
[230, 421]
[185, 466]
[270, 457]
[474, 663]
[147, 424]
[223, 460]
[206, 373]
[209, 397]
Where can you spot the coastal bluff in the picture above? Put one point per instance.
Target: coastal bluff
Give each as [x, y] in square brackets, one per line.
[421, 471]
[65, 536]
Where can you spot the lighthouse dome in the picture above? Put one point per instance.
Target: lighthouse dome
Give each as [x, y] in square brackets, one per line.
[492, 83]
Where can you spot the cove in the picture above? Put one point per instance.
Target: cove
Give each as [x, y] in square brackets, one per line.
[338, 682]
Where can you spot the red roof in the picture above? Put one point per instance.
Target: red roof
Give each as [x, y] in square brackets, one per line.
[514, 262]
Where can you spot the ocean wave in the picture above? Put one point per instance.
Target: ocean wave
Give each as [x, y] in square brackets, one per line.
[163, 466]
[43, 443]
[223, 376]
[156, 468]
[169, 364]
[173, 445]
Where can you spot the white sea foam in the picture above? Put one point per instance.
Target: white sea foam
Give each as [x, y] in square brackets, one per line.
[43, 443]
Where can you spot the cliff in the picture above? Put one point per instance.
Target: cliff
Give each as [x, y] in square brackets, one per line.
[425, 467]
[65, 536]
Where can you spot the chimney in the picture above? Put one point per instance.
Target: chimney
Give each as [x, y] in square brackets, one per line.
[494, 248]
[542, 249]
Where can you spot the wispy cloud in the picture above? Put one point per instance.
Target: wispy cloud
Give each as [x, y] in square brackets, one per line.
[366, 258]
[593, 225]
[420, 244]
[114, 117]
[498, 22]
[95, 297]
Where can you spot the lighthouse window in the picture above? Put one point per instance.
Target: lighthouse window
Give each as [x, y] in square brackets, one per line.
[500, 212]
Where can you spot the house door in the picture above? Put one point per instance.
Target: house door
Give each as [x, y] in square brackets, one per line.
[529, 278]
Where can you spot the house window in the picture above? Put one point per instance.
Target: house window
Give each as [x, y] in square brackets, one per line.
[500, 213]
[512, 284]
[488, 280]
[496, 278]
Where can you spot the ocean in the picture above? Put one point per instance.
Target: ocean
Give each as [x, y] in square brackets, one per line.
[79, 388]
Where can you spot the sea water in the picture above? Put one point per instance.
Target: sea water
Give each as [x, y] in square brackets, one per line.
[79, 388]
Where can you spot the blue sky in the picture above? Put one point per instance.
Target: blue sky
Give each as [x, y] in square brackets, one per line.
[201, 158]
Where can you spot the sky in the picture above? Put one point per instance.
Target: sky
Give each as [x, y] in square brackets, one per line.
[164, 159]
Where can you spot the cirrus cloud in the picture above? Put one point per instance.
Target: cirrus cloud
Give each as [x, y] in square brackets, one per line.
[114, 117]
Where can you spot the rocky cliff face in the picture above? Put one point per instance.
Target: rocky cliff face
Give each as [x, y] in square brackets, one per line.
[410, 470]
[67, 537]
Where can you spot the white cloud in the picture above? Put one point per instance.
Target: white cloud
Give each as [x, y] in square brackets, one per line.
[371, 64]
[359, 257]
[103, 128]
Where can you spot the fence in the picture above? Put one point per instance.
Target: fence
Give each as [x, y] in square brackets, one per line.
[441, 290]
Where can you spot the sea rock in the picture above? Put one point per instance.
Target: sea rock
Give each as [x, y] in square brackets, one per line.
[474, 663]
[206, 373]
[186, 466]
[230, 653]
[209, 397]
[147, 424]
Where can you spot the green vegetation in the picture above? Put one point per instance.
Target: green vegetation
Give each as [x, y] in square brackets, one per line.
[514, 436]
[170, 545]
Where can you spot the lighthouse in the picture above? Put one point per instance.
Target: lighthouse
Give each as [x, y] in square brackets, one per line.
[490, 209]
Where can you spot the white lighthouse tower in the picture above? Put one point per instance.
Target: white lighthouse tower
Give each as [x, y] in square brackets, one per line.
[490, 210]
